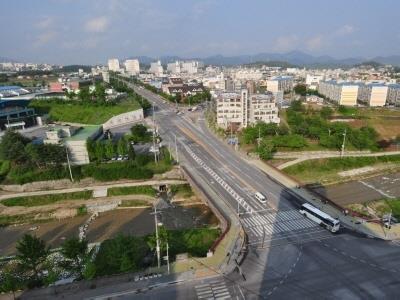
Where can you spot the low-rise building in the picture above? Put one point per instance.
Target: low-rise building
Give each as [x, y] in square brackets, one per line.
[263, 107]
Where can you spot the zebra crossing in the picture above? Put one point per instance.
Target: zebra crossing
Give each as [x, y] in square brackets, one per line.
[212, 290]
[274, 223]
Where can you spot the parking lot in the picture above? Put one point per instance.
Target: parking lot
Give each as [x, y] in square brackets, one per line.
[361, 191]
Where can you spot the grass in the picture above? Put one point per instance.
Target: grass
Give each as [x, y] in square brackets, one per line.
[181, 190]
[29, 201]
[394, 204]
[316, 170]
[81, 210]
[75, 112]
[133, 203]
[132, 190]
[6, 220]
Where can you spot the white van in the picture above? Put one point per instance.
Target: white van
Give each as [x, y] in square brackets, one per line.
[260, 197]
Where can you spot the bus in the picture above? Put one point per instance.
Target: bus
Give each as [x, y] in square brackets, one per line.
[320, 217]
[260, 197]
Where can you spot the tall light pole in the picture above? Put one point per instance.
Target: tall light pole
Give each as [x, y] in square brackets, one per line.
[167, 257]
[154, 136]
[157, 240]
[176, 150]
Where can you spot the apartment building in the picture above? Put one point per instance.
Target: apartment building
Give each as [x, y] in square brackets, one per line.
[312, 81]
[343, 93]
[242, 109]
[263, 107]
[156, 68]
[113, 65]
[132, 66]
[280, 83]
[374, 94]
[393, 94]
[189, 67]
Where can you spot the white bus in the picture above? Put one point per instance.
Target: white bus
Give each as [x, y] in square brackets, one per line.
[320, 217]
[260, 197]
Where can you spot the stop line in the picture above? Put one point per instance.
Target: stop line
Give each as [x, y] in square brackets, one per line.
[218, 179]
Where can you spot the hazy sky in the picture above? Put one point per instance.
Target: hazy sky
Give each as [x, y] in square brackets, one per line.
[90, 31]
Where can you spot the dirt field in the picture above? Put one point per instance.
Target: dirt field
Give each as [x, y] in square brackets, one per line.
[136, 221]
[141, 221]
[361, 191]
[54, 232]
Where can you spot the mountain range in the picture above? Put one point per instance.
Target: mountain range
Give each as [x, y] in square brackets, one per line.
[297, 58]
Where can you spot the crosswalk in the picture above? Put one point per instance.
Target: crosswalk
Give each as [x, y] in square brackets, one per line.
[212, 290]
[273, 224]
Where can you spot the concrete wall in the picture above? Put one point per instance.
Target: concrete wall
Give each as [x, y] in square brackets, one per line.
[125, 118]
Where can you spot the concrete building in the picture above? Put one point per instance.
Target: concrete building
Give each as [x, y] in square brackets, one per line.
[113, 65]
[280, 83]
[189, 67]
[242, 109]
[106, 76]
[263, 107]
[393, 95]
[343, 93]
[156, 68]
[74, 139]
[312, 81]
[132, 66]
[373, 94]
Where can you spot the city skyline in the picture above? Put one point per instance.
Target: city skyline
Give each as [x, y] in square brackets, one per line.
[68, 32]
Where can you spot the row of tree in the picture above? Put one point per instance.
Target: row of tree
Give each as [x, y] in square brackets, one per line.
[20, 150]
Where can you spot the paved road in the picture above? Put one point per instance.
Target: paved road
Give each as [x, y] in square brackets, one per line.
[288, 257]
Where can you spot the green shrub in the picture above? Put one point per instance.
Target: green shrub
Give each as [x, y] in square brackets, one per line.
[115, 171]
[38, 200]
[132, 190]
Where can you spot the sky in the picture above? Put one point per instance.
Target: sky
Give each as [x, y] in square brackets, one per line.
[90, 31]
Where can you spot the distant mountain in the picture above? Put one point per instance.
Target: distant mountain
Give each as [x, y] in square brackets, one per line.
[389, 60]
[5, 59]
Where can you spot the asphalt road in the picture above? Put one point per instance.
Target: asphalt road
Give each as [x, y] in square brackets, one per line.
[288, 256]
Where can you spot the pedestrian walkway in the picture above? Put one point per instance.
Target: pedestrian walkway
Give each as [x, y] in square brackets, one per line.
[275, 224]
[213, 290]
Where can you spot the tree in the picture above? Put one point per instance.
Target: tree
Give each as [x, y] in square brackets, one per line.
[84, 94]
[326, 112]
[100, 93]
[31, 254]
[75, 252]
[300, 89]
[12, 147]
[109, 149]
[122, 147]
[131, 152]
[10, 281]
[266, 149]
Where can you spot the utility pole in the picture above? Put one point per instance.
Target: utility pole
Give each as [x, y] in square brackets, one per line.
[344, 141]
[167, 257]
[69, 164]
[157, 240]
[176, 150]
[154, 137]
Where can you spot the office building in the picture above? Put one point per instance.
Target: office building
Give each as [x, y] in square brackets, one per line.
[189, 67]
[343, 93]
[132, 66]
[113, 65]
[373, 94]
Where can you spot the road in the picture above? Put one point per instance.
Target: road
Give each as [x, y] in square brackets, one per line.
[288, 256]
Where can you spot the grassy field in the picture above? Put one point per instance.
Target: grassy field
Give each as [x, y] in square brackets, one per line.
[132, 190]
[134, 203]
[71, 111]
[181, 190]
[317, 170]
[39, 200]
[379, 208]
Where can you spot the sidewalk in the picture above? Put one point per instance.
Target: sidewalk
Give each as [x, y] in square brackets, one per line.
[357, 224]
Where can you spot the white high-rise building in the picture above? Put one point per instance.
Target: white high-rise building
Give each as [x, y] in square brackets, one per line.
[373, 94]
[393, 96]
[174, 68]
[242, 109]
[113, 65]
[156, 68]
[343, 93]
[312, 81]
[280, 83]
[132, 66]
[190, 67]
